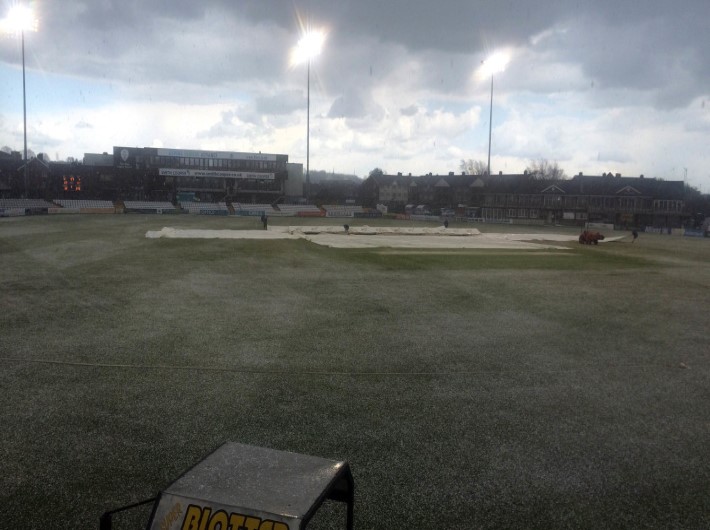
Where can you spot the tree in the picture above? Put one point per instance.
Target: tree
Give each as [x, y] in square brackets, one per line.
[543, 169]
[697, 204]
[473, 167]
[377, 172]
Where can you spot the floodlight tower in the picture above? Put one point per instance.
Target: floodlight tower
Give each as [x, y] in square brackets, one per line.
[18, 20]
[308, 48]
[496, 63]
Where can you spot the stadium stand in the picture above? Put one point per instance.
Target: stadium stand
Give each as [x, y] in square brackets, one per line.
[252, 209]
[149, 206]
[25, 203]
[294, 210]
[205, 208]
[337, 210]
[83, 204]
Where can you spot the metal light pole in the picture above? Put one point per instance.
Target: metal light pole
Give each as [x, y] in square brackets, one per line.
[308, 133]
[490, 130]
[308, 47]
[24, 113]
[21, 19]
[494, 64]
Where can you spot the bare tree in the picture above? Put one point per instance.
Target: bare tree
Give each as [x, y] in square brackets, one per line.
[543, 169]
[473, 167]
[377, 172]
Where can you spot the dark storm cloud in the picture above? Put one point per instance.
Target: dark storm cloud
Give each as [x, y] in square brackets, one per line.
[390, 69]
[464, 25]
[142, 43]
[651, 45]
[664, 56]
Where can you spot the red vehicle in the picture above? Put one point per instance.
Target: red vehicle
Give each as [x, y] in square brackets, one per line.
[587, 238]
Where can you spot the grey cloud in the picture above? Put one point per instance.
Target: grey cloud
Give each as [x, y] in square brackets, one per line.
[456, 25]
[616, 42]
[613, 156]
[699, 122]
[409, 111]
[653, 55]
[282, 103]
[226, 126]
[355, 105]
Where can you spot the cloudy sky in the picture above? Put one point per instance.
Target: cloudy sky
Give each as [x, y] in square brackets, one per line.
[598, 86]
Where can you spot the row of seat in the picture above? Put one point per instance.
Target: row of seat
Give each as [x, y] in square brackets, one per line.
[295, 208]
[268, 209]
[80, 203]
[147, 205]
[341, 208]
[25, 203]
[199, 206]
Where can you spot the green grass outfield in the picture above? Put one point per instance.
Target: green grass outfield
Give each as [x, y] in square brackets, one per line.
[467, 389]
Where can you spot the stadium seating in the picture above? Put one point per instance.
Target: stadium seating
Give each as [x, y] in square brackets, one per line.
[25, 203]
[293, 210]
[336, 210]
[204, 207]
[149, 206]
[243, 206]
[80, 203]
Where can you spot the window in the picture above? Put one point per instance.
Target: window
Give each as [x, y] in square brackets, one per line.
[553, 201]
[668, 206]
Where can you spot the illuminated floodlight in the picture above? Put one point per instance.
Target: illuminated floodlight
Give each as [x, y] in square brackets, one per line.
[495, 64]
[18, 20]
[21, 19]
[309, 47]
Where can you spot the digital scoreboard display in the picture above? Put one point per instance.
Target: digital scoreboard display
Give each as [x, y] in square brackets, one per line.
[71, 183]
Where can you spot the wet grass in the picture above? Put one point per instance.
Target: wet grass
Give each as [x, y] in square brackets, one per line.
[471, 389]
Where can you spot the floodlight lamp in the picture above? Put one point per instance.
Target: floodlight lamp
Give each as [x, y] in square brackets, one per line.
[19, 19]
[495, 64]
[308, 47]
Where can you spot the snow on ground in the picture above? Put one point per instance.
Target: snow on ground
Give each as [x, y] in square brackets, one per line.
[376, 237]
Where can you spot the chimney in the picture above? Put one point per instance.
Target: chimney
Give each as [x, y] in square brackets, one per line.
[618, 175]
[641, 176]
[580, 174]
[451, 173]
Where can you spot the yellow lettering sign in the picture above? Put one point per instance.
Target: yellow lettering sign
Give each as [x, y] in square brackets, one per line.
[199, 518]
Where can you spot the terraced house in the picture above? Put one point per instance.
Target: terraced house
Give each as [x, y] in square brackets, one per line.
[609, 198]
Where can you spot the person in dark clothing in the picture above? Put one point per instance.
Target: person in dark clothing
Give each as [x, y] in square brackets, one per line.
[636, 235]
[264, 220]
